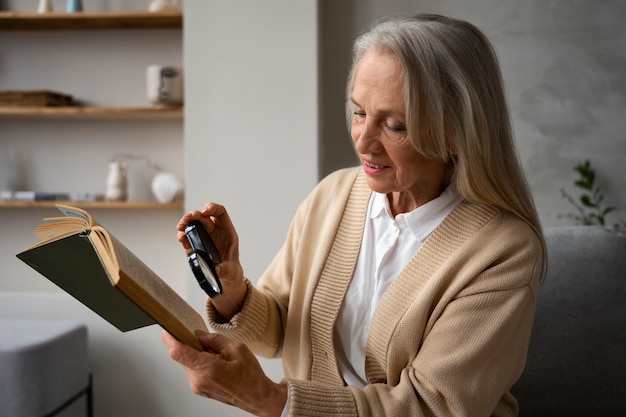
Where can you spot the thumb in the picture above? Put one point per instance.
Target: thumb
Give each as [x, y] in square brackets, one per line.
[213, 342]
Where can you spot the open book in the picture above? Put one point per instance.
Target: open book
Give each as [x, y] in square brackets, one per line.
[90, 264]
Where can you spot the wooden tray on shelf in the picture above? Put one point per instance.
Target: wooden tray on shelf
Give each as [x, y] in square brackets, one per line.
[34, 98]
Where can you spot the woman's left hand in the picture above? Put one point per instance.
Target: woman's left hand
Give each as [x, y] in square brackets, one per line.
[227, 371]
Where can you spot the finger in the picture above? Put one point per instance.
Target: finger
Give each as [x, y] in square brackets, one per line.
[168, 339]
[193, 361]
[172, 344]
[174, 347]
[208, 340]
[213, 209]
[215, 342]
[220, 345]
[182, 224]
[182, 238]
[218, 214]
[205, 216]
[187, 218]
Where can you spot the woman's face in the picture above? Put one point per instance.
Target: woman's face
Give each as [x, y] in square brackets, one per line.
[392, 165]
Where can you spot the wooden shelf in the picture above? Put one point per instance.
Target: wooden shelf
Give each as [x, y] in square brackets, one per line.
[90, 20]
[92, 204]
[93, 112]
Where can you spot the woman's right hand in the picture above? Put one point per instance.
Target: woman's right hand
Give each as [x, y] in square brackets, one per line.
[217, 223]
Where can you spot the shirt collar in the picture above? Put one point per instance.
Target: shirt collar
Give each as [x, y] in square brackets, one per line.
[424, 219]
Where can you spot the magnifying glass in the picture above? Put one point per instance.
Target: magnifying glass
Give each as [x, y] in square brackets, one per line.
[203, 258]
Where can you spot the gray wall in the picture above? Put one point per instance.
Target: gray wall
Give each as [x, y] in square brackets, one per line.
[251, 123]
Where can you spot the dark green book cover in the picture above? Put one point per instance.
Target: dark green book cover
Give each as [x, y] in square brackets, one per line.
[73, 264]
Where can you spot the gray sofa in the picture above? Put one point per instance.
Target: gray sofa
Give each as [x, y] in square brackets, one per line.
[43, 367]
[577, 357]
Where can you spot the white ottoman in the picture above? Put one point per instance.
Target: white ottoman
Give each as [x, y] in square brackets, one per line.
[43, 366]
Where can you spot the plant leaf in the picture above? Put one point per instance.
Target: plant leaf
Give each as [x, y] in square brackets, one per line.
[587, 202]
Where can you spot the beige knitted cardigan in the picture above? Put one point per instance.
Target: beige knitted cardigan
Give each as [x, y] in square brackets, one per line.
[448, 338]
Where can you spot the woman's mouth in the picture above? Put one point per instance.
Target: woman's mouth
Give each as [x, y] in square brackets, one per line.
[371, 168]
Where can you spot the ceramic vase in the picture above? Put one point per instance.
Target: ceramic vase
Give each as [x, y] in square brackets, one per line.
[45, 6]
[164, 85]
[117, 182]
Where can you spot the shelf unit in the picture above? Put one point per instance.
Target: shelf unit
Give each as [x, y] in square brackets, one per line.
[91, 21]
[92, 204]
[93, 112]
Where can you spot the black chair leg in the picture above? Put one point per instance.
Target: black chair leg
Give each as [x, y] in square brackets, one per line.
[90, 397]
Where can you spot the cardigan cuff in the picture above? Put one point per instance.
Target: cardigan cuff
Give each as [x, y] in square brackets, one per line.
[244, 326]
[310, 399]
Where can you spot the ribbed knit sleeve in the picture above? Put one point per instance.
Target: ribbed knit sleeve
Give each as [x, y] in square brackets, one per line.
[244, 326]
[311, 399]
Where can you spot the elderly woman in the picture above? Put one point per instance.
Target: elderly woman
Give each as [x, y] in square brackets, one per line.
[406, 286]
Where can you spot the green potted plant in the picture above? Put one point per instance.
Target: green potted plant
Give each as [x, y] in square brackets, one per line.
[590, 206]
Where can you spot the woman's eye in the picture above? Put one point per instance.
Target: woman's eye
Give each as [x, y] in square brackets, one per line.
[358, 117]
[396, 127]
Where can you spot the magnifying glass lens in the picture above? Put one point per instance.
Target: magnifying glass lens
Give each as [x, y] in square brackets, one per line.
[205, 275]
[208, 274]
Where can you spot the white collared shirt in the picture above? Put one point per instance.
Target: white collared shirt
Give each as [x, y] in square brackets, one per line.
[388, 245]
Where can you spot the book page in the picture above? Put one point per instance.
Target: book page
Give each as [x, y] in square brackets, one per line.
[102, 242]
[75, 212]
[75, 220]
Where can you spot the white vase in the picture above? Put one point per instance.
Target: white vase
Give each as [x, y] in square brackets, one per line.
[117, 182]
[45, 6]
[166, 187]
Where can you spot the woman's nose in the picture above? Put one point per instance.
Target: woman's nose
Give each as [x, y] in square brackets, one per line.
[365, 138]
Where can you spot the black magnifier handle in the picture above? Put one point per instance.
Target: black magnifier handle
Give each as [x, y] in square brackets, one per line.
[199, 239]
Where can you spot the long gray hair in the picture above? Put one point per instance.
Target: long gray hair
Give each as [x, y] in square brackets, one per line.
[455, 106]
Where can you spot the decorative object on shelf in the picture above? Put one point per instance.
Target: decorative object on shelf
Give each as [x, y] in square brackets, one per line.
[86, 196]
[74, 6]
[45, 6]
[166, 187]
[146, 179]
[163, 5]
[117, 181]
[8, 170]
[164, 85]
[34, 98]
